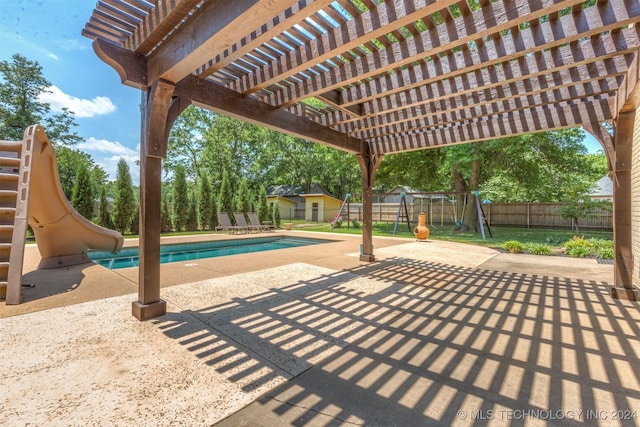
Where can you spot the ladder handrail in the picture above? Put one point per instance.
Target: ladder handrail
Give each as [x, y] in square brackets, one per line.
[16, 257]
[344, 203]
[403, 203]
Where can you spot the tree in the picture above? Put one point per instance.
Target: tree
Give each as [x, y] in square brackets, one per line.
[420, 170]
[165, 218]
[546, 166]
[242, 197]
[134, 226]
[206, 207]
[124, 203]
[180, 199]
[104, 216]
[192, 218]
[69, 162]
[225, 198]
[263, 206]
[21, 85]
[82, 198]
[187, 141]
[585, 208]
[276, 214]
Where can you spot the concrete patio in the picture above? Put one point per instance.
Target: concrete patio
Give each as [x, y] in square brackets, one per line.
[433, 333]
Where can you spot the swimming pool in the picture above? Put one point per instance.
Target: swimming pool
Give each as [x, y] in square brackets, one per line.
[128, 257]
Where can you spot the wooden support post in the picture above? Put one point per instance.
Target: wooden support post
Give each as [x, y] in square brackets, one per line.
[619, 159]
[623, 259]
[156, 103]
[368, 166]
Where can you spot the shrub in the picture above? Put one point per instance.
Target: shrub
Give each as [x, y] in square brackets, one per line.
[513, 246]
[604, 253]
[355, 223]
[554, 240]
[579, 247]
[538, 248]
[603, 248]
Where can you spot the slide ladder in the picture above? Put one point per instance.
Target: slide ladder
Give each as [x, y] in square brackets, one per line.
[14, 157]
[31, 195]
[403, 214]
[344, 204]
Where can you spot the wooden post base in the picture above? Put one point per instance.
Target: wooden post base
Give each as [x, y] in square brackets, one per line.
[148, 311]
[629, 294]
[368, 258]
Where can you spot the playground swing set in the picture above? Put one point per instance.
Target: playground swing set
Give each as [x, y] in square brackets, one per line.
[403, 214]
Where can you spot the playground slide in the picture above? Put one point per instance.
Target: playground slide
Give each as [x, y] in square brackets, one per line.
[63, 236]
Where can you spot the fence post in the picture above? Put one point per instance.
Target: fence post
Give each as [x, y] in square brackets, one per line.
[528, 219]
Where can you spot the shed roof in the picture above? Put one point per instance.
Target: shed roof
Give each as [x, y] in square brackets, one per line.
[388, 76]
[321, 195]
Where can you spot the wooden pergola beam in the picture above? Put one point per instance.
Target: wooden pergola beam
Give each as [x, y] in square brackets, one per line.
[469, 77]
[212, 28]
[373, 24]
[463, 110]
[225, 101]
[476, 113]
[487, 54]
[275, 27]
[499, 126]
[628, 92]
[435, 41]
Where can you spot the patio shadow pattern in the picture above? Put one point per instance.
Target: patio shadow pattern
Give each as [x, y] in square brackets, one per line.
[407, 342]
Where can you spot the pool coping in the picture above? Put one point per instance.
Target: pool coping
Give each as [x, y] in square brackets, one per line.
[90, 281]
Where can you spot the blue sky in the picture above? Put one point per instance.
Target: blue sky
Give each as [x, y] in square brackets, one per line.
[107, 112]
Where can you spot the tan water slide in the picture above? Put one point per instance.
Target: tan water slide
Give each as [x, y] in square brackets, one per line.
[30, 193]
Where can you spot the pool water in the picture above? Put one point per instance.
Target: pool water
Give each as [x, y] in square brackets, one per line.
[128, 257]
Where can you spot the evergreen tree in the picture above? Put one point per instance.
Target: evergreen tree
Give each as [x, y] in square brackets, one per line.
[243, 197]
[276, 214]
[225, 198]
[192, 218]
[82, 198]
[206, 206]
[264, 213]
[21, 85]
[213, 219]
[165, 218]
[180, 199]
[135, 220]
[104, 216]
[124, 203]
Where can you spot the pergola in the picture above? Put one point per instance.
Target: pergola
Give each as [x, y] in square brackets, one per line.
[372, 77]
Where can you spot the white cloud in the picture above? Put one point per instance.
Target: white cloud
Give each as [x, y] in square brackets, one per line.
[107, 154]
[108, 147]
[82, 108]
[72, 44]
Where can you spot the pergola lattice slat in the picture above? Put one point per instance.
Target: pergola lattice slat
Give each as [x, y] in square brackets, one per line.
[405, 53]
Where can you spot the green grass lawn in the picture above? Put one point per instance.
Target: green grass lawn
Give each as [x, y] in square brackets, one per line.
[554, 238]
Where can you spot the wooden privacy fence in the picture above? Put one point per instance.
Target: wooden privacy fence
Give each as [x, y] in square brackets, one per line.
[529, 215]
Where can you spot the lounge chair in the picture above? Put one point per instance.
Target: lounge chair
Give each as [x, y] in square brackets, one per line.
[255, 222]
[241, 222]
[225, 224]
